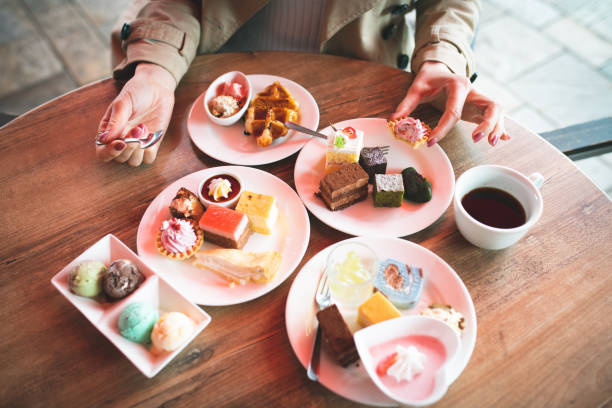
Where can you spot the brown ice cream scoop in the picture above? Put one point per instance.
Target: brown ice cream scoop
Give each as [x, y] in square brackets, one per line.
[121, 279]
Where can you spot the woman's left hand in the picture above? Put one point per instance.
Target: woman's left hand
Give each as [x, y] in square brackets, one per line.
[454, 94]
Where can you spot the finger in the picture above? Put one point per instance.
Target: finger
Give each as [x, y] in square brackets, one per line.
[127, 152]
[498, 130]
[457, 92]
[116, 117]
[490, 118]
[110, 151]
[136, 158]
[408, 104]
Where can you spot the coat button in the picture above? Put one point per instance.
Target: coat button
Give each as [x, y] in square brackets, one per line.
[402, 61]
[473, 77]
[126, 30]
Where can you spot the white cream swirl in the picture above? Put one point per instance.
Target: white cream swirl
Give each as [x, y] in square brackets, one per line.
[219, 187]
[178, 235]
[410, 129]
[408, 363]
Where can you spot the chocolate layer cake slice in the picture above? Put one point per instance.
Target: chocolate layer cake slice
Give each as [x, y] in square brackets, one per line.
[344, 187]
[337, 335]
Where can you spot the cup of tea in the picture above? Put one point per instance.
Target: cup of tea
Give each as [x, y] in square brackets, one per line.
[496, 205]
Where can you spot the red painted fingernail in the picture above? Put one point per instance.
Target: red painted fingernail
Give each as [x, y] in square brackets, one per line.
[432, 142]
[102, 136]
[119, 146]
[477, 137]
[138, 131]
[495, 140]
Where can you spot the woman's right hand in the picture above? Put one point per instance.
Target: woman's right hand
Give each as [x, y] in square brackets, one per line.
[144, 105]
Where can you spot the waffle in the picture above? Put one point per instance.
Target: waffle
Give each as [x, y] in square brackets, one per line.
[267, 113]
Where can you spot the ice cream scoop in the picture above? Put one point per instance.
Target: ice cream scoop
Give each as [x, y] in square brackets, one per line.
[85, 279]
[121, 279]
[137, 320]
[171, 331]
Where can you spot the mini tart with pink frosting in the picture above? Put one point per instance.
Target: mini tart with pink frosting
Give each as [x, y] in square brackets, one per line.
[179, 238]
[410, 130]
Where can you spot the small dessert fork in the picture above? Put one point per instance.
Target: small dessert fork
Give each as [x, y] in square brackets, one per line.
[302, 129]
[323, 299]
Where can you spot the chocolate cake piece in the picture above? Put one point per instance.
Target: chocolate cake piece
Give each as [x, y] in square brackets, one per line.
[373, 161]
[186, 204]
[337, 335]
[344, 187]
[388, 190]
[416, 187]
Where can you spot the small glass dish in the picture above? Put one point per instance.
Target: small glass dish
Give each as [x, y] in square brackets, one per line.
[214, 90]
[351, 267]
[154, 291]
[233, 196]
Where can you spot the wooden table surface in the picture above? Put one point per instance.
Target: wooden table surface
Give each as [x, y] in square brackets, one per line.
[543, 306]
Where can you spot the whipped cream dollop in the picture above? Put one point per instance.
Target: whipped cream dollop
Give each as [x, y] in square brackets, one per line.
[177, 235]
[410, 129]
[408, 363]
[219, 187]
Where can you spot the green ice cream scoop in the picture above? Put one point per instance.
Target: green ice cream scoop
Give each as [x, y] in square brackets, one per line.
[85, 279]
[136, 322]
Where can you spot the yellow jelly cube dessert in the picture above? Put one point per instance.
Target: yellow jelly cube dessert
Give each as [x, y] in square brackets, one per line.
[261, 210]
[375, 310]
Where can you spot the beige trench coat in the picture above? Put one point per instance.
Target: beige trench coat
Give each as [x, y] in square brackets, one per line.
[170, 33]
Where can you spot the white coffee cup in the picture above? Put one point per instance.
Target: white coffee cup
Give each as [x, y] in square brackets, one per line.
[525, 189]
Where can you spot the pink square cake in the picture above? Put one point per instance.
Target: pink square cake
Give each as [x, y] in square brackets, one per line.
[225, 227]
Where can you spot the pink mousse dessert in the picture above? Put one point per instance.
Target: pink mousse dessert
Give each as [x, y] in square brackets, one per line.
[410, 130]
[409, 370]
[179, 238]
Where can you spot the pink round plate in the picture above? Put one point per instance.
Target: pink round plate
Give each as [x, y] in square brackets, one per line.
[442, 285]
[290, 237]
[229, 143]
[363, 218]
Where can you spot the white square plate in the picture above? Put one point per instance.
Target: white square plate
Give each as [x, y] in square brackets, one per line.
[154, 290]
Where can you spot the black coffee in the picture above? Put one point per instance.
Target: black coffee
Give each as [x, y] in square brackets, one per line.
[494, 207]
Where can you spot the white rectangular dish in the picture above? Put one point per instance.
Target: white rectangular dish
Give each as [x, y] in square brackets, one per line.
[154, 290]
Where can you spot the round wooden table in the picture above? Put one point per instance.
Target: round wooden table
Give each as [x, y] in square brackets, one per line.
[543, 305]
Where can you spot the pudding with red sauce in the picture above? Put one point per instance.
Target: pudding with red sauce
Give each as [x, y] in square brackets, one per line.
[222, 189]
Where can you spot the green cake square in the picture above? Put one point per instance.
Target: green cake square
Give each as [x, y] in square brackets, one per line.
[388, 190]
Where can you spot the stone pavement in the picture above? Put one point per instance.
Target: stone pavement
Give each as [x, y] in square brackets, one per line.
[549, 62]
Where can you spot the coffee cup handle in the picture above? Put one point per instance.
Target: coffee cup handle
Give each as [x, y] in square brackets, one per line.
[537, 179]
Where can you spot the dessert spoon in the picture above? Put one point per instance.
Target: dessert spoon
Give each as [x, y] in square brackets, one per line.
[145, 142]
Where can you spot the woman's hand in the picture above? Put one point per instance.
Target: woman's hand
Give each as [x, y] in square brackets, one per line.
[455, 96]
[144, 105]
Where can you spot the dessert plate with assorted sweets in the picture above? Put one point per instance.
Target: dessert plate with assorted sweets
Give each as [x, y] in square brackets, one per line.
[225, 235]
[401, 329]
[261, 103]
[373, 177]
[148, 320]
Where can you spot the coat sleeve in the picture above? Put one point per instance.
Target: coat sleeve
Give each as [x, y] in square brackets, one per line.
[444, 33]
[161, 32]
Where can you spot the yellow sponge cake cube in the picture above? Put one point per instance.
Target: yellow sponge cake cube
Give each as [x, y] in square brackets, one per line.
[375, 310]
[261, 210]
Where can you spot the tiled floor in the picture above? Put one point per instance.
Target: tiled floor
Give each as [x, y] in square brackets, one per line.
[549, 62]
